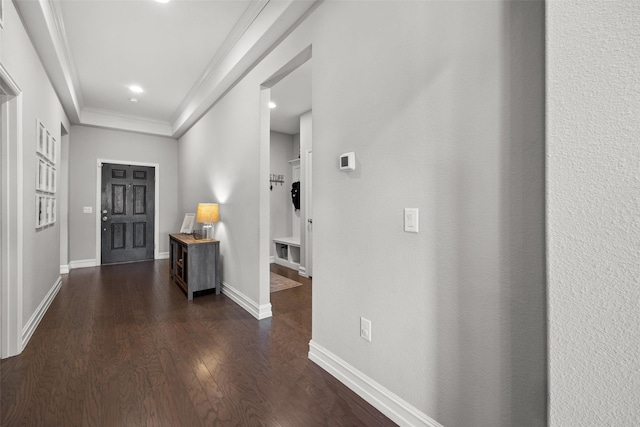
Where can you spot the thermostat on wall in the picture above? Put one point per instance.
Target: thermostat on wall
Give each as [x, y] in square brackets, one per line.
[348, 161]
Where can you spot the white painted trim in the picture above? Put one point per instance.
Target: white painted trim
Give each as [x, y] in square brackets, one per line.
[36, 317]
[308, 215]
[82, 263]
[302, 272]
[98, 208]
[258, 311]
[12, 218]
[398, 410]
[163, 255]
[113, 120]
[64, 269]
[275, 21]
[272, 259]
[242, 25]
[288, 264]
[72, 90]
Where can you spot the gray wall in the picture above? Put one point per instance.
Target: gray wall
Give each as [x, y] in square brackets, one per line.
[86, 145]
[41, 249]
[445, 113]
[593, 212]
[281, 206]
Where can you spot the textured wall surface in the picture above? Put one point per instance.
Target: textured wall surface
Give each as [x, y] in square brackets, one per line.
[593, 197]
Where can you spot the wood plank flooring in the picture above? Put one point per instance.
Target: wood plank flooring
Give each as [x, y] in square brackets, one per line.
[122, 346]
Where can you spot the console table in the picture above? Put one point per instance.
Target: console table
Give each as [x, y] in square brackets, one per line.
[194, 264]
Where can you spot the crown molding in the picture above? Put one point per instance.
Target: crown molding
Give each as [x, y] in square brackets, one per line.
[64, 51]
[274, 22]
[261, 27]
[242, 25]
[96, 117]
[43, 22]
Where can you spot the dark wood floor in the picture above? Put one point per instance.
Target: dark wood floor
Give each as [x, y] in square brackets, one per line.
[122, 346]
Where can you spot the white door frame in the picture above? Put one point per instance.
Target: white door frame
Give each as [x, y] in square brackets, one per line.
[12, 221]
[156, 205]
[264, 240]
[308, 213]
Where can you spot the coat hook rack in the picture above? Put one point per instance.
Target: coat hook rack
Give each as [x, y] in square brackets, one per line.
[275, 179]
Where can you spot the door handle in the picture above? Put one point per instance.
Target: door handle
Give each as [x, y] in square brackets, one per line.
[104, 218]
[310, 221]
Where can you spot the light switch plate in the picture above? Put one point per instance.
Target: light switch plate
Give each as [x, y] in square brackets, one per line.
[411, 220]
[87, 209]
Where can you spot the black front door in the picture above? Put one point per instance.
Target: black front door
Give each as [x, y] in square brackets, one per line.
[127, 215]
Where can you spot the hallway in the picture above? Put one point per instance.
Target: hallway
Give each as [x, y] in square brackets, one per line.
[120, 345]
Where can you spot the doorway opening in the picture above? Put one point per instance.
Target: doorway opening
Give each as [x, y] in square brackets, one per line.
[128, 215]
[11, 216]
[288, 139]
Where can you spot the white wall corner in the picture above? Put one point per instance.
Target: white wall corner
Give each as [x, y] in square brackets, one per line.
[163, 255]
[82, 263]
[34, 321]
[258, 311]
[398, 410]
[64, 269]
[272, 259]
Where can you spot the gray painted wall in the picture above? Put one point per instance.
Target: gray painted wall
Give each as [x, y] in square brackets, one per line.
[593, 212]
[281, 206]
[41, 249]
[86, 145]
[445, 113]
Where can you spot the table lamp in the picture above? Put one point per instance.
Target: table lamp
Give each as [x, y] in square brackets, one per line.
[208, 214]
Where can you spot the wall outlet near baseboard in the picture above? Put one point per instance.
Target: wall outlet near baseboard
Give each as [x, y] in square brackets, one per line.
[365, 329]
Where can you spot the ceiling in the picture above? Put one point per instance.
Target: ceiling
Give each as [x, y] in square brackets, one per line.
[184, 54]
[292, 96]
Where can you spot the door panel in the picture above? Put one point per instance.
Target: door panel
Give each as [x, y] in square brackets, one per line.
[128, 195]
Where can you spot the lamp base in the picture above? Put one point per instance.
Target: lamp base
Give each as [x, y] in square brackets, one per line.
[207, 231]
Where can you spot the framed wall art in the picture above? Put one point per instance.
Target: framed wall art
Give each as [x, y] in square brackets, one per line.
[41, 138]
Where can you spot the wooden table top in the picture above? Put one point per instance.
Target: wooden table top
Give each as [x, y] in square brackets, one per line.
[188, 239]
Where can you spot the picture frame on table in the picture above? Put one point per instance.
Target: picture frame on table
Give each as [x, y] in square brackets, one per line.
[188, 223]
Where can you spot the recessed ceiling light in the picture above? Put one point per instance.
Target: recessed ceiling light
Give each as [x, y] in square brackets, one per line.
[272, 104]
[136, 89]
[134, 100]
[162, 1]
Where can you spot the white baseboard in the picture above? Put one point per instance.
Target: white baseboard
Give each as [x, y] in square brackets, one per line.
[64, 269]
[258, 311]
[382, 399]
[302, 271]
[36, 317]
[272, 259]
[285, 263]
[82, 263]
[163, 255]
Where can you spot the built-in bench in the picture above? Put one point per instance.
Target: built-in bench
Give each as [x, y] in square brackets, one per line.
[287, 252]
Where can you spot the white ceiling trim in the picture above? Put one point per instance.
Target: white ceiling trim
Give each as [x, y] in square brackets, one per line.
[275, 21]
[62, 48]
[250, 14]
[112, 120]
[262, 26]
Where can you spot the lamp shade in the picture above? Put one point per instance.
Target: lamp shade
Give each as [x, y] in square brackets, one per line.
[207, 212]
